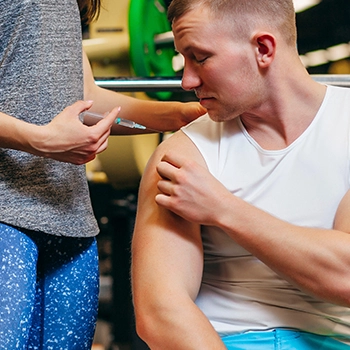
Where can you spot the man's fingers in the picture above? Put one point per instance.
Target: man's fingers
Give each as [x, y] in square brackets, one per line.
[166, 170]
[173, 158]
[165, 186]
[163, 200]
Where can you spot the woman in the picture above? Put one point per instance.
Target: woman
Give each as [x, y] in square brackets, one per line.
[49, 263]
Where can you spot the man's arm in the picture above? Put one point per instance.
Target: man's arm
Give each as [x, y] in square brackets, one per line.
[167, 262]
[163, 116]
[316, 260]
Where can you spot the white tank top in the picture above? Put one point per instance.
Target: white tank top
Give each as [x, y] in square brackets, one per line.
[302, 184]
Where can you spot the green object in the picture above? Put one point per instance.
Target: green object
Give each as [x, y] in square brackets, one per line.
[148, 18]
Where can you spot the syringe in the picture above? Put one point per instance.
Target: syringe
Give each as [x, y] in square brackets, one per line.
[129, 124]
[120, 121]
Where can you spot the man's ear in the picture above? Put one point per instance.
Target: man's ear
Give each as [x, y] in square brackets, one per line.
[265, 44]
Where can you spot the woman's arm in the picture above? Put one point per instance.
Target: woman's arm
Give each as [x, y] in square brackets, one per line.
[163, 116]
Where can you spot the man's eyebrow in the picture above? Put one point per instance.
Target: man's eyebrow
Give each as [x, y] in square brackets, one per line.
[187, 49]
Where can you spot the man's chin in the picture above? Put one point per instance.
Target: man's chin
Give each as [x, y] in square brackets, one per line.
[214, 116]
[218, 116]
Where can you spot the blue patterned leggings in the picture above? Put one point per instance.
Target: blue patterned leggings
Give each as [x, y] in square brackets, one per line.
[48, 290]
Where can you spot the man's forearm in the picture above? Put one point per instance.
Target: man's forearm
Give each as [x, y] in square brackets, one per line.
[316, 260]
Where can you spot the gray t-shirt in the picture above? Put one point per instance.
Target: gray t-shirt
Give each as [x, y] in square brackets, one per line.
[40, 75]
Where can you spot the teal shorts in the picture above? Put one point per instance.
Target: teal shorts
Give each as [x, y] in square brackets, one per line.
[282, 339]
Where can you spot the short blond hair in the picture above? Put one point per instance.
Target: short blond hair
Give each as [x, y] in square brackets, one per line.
[277, 14]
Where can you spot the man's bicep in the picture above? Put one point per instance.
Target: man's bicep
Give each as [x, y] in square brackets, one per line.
[166, 249]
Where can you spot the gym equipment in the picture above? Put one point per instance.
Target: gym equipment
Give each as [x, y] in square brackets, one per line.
[151, 44]
[174, 84]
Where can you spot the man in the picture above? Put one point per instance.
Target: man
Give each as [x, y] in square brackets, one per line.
[260, 187]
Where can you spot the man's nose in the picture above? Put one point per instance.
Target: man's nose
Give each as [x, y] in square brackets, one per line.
[190, 79]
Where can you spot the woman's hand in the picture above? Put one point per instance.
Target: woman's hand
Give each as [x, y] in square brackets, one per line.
[67, 139]
[191, 111]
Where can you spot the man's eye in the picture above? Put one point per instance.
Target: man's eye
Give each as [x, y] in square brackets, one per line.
[201, 60]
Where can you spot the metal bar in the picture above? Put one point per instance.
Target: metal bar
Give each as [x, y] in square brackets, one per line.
[164, 39]
[151, 84]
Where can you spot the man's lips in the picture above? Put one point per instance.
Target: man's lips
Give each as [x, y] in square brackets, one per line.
[205, 100]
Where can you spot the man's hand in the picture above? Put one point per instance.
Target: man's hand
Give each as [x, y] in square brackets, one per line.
[67, 139]
[189, 190]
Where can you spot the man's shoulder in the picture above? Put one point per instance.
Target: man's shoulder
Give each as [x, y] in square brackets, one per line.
[180, 143]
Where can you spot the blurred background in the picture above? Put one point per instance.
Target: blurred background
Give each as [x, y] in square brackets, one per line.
[131, 50]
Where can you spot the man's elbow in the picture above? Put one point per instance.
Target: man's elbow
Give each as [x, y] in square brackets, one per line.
[149, 324]
[145, 327]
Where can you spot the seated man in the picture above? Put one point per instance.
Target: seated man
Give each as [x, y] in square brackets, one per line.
[242, 232]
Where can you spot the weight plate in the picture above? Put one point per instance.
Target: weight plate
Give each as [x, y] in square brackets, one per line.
[148, 18]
